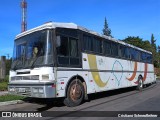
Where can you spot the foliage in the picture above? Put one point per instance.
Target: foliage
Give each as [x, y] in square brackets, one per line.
[6, 79]
[145, 44]
[136, 41]
[8, 65]
[106, 29]
[8, 97]
[4, 83]
[3, 86]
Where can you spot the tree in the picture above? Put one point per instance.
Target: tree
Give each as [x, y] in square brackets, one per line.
[154, 51]
[106, 29]
[159, 55]
[136, 41]
[158, 49]
[8, 65]
[153, 42]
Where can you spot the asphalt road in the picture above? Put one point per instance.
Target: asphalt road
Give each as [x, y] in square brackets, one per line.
[117, 100]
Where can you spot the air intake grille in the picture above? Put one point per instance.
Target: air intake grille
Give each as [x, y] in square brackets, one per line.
[32, 77]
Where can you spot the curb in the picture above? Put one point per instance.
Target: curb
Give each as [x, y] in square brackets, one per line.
[11, 102]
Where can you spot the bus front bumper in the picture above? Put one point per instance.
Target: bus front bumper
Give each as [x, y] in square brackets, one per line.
[37, 90]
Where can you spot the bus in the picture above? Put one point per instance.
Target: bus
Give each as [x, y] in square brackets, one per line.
[64, 60]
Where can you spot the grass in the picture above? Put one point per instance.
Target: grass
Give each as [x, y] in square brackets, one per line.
[3, 86]
[8, 97]
[4, 83]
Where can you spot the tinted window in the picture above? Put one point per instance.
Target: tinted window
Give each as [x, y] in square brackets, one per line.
[134, 54]
[62, 48]
[68, 32]
[73, 47]
[92, 44]
[114, 49]
[87, 40]
[74, 59]
[107, 48]
[143, 57]
[127, 54]
[67, 51]
[97, 45]
[122, 51]
[149, 58]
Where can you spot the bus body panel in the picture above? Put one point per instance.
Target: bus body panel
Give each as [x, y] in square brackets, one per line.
[108, 73]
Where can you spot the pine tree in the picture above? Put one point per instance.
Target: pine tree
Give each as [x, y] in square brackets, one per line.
[158, 56]
[158, 49]
[154, 51]
[106, 29]
[153, 43]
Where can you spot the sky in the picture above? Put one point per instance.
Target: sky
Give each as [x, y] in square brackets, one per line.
[125, 17]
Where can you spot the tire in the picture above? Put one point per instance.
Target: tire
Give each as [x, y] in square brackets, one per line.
[75, 94]
[140, 83]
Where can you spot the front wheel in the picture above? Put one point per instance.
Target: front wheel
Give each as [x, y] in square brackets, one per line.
[75, 94]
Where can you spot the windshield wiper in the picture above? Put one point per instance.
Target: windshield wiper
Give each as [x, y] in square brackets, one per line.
[15, 64]
[32, 63]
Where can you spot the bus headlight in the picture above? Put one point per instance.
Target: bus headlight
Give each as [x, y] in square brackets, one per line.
[45, 77]
[40, 90]
[35, 90]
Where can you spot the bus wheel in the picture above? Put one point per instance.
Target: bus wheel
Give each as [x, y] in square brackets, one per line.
[140, 84]
[75, 93]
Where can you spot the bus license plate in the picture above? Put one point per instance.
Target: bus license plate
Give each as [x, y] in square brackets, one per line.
[22, 90]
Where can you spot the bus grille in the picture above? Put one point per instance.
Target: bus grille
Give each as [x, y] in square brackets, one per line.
[33, 77]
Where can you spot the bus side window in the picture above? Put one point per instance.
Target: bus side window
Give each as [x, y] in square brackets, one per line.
[115, 49]
[143, 57]
[122, 51]
[87, 43]
[97, 45]
[73, 47]
[74, 55]
[67, 51]
[107, 48]
[62, 50]
[149, 58]
[62, 46]
[136, 55]
[127, 55]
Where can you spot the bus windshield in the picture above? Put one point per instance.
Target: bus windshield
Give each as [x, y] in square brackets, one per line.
[33, 50]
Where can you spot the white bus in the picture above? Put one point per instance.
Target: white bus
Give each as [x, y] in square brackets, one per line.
[65, 60]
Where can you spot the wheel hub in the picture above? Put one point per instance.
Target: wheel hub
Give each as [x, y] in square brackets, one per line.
[75, 92]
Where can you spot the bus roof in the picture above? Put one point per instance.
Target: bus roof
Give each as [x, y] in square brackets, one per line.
[52, 25]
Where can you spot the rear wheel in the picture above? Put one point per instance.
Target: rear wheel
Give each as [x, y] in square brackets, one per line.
[75, 93]
[140, 84]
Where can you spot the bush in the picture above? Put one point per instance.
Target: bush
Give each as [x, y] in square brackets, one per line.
[3, 86]
[6, 78]
[4, 83]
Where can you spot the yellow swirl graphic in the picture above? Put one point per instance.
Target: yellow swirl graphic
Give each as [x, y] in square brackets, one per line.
[93, 66]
